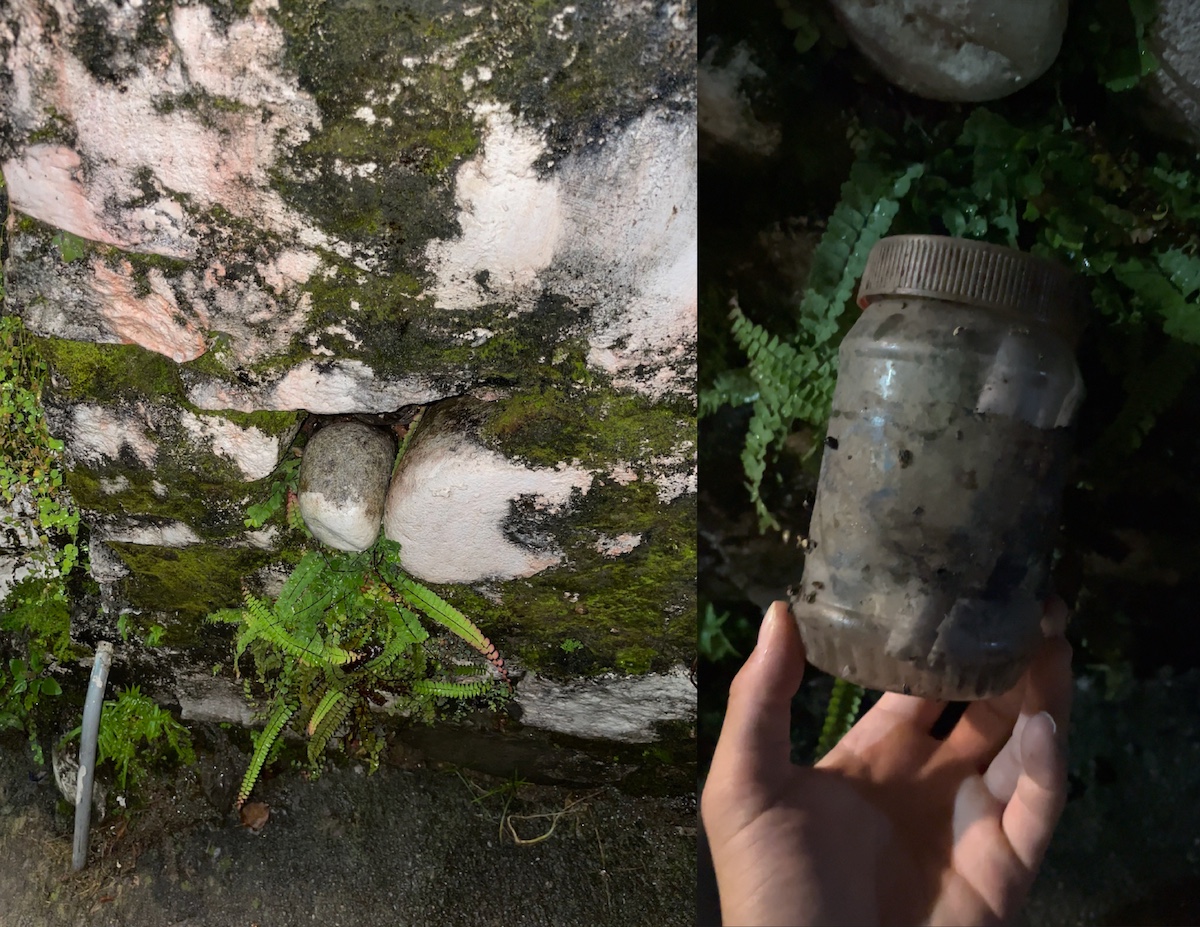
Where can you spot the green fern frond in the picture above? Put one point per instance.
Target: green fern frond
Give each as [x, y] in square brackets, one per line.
[295, 520]
[331, 701]
[408, 436]
[440, 610]
[1151, 389]
[403, 623]
[263, 623]
[322, 733]
[226, 616]
[870, 199]
[263, 743]
[447, 689]
[840, 715]
[452, 619]
[306, 571]
[729, 388]
[795, 378]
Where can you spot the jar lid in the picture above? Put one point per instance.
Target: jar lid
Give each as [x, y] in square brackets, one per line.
[976, 273]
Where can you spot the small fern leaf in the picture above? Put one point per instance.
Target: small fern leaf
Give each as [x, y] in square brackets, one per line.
[451, 618]
[439, 610]
[729, 388]
[307, 570]
[295, 520]
[329, 702]
[262, 748]
[265, 624]
[402, 622]
[447, 689]
[1151, 388]
[323, 732]
[844, 702]
[795, 379]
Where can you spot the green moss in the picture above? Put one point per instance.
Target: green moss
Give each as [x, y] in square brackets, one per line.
[197, 485]
[213, 508]
[633, 613]
[268, 422]
[108, 372]
[56, 128]
[208, 107]
[190, 581]
[634, 659]
[349, 56]
[144, 263]
[597, 427]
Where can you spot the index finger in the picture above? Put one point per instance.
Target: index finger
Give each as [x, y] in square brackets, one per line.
[756, 734]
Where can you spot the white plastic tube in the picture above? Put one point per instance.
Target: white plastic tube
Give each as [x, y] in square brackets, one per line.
[87, 751]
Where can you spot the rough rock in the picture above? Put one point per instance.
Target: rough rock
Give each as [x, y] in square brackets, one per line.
[1174, 37]
[209, 215]
[609, 707]
[214, 699]
[965, 51]
[225, 217]
[452, 500]
[343, 481]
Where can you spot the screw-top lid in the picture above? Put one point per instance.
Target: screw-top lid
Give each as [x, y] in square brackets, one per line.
[976, 273]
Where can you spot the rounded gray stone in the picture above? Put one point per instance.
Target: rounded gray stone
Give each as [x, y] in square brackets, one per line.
[343, 480]
[957, 50]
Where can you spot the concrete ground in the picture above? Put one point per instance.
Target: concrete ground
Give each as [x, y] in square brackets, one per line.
[409, 846]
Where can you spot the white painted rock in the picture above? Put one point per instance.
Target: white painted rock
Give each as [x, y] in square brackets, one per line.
[343, 481]
[609, 707]
[957, 50]
[452, 499]
[1175, 39]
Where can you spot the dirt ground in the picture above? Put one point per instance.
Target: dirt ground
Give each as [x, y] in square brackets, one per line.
[409, 845]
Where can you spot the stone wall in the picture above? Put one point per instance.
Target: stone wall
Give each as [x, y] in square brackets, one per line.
[232, 222]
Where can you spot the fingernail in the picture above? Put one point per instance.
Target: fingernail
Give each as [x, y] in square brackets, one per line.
[1050, 718]
[768, 618]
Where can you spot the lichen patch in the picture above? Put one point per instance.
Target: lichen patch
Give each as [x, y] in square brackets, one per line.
[101, 435]
[612, 228]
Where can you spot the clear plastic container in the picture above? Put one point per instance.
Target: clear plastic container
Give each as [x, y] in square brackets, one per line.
[940, 487]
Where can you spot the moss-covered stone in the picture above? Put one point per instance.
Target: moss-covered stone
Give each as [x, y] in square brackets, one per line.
[597, 427]
[398, 332]
[633, 613]
[110, 372]
[189, 481]
[190, 582]
[399, 84]
[213, 509]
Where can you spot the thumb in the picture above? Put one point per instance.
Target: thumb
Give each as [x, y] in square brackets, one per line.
[755, 738]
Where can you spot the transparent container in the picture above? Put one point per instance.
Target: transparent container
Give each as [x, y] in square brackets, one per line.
[938, 499]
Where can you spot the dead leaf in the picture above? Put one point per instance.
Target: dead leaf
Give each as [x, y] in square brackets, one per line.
[254, 816]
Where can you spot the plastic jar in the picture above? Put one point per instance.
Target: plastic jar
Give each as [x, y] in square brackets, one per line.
[938, 498]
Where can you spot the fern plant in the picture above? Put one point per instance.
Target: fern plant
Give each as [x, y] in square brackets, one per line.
[790, 378]
[344, 632]
[844, 701]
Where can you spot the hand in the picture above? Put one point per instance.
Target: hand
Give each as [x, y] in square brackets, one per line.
[891, 826]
